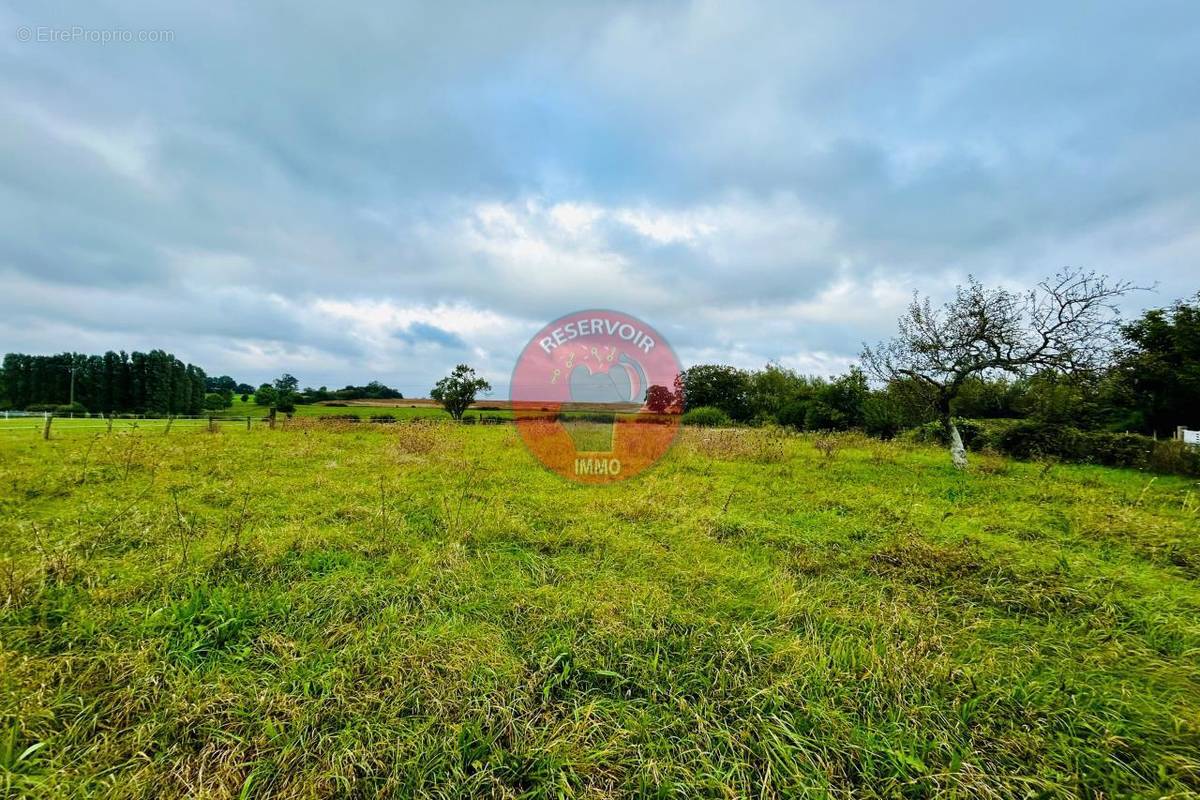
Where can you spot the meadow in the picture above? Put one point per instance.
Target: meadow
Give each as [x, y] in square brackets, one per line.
[400, 411]
[332, 609]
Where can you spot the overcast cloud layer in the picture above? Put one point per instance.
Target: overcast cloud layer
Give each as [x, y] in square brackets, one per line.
[361, 192]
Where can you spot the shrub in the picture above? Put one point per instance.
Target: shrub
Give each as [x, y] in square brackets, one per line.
[601, 417]
[75, 408]
[1174, 456]
[826, 446]
[1032, 439]
[975, 434]
[820, 417]
[385, 418]
[1119, 449]
[1042, 440]
[215, 402]
[881, 418]
[706, 417]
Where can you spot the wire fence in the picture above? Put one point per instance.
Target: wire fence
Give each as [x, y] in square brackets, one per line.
[47, 423]
[44, 423]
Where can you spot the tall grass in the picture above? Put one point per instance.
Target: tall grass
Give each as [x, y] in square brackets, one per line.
[422, 610]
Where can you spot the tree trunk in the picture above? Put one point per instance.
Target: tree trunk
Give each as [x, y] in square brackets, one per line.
[958, 453]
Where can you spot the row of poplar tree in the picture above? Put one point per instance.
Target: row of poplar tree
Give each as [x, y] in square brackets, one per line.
[143, 383]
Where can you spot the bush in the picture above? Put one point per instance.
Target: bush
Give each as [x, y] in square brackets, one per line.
[54, 408]
[976, 434]
[215, 402]
[881, 417]
[826, 446]
[820, 417]
[706, 417]
[1119, 449]
[384, 418]
[600, 417]
[1042, 440]
[1172, 455]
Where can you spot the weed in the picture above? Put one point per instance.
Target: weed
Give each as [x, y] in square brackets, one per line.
[827, 446]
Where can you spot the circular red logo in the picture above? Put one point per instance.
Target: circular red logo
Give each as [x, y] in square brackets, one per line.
[595, 396]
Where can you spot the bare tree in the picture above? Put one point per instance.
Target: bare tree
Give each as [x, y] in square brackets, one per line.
[1066, 324]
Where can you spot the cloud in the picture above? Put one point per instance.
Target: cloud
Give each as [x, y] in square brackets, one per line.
[381, 191]
[423, 332]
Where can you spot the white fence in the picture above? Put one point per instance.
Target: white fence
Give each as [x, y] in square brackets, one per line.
[1188, 437]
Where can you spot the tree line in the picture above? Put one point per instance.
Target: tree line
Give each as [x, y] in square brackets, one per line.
[1056, 355]
[146, 383]
[149, 383]
[1144, 379]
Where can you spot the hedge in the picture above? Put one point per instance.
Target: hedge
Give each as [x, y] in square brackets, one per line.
[706, 417]
[1028, 439]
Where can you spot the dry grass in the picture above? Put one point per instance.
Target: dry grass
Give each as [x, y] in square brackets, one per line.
[765, 445]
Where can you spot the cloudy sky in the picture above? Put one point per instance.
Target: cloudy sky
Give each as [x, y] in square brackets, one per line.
[355, 191]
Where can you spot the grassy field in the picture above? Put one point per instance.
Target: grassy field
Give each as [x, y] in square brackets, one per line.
[402, 409]
[420, 409]
[421, 610]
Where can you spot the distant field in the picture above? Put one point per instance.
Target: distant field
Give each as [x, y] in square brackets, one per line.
[364, 409]
[401, 409]
[239, 410]
[421, 610]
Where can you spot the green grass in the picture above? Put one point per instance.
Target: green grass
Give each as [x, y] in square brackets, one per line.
[237, 413]
[399, 412]
[421, 610]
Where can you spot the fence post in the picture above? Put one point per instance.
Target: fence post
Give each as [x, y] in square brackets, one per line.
[271, 417]
[211, 425]
[109, 420]
[46, 427]
[1179, 429]
[247, 422]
